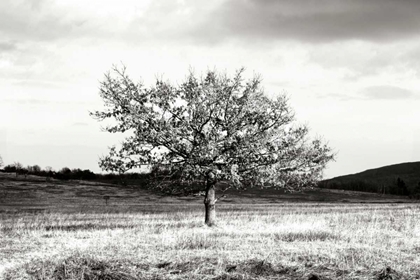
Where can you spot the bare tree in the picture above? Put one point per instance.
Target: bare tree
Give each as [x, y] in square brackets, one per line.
[1, 162]
[49, 171]
[20, 170]
[211, 132]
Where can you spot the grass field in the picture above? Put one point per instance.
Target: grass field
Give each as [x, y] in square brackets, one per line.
[56, 230]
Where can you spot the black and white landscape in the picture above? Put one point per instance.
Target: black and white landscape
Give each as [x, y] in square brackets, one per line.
[209, 139]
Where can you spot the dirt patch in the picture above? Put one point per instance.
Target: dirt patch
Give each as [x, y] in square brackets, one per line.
[306, 236]
[257, 268]
[76, 268]
[88, 268]
[314, 276]
[262, 268]
[389, 274]
[203, 266]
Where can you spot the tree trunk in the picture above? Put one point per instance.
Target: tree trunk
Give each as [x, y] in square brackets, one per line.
[210, 205]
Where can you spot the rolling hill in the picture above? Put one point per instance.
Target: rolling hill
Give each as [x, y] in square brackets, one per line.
[401, 179]
[35, 194]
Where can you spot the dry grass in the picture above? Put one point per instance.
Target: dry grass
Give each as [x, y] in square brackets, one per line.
[340, 241]
[64, 230]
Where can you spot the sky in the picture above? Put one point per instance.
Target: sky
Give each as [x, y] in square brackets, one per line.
[350, 69]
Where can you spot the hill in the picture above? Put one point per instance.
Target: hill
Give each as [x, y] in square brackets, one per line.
[399, 179]
[35, 194]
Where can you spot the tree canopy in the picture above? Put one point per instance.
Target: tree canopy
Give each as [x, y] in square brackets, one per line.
[207, 130]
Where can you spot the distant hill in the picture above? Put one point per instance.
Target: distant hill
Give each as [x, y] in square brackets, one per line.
[36, 194]
[399, 179]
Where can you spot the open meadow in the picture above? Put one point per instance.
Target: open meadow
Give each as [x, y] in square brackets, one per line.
[66, 230]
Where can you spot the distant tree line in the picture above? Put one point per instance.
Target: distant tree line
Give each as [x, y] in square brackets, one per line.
[66, 173]
[395, 187]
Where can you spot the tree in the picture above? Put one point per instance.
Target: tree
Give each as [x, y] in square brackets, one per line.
[402, 187]
[88, 175]
[416, 191]
[10, 168]
[49, 172]
[48, 169]
[19, 169]
[210, 132]
[36, 169]
[1, 162]
[65, 173]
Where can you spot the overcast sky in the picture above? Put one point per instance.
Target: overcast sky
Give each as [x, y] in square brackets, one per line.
[351, 69]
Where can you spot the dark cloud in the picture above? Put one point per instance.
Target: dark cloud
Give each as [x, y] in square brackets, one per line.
[206, 23]
[198, 21]
[312, 21]
[388, 93]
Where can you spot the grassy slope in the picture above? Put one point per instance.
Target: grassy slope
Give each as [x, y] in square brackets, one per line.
[260, 235]
[386, 175]
[35, 194]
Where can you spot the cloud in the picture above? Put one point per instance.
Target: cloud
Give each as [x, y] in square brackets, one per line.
[387, 93]
[80, 124]
[28, 101]
[42, 20]
[38, 84]
[359, 60]
[373, 93]
[205, 22]
[128, 20]
[7, 46]
[312, 21]
[338, 96]
[42, 102]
